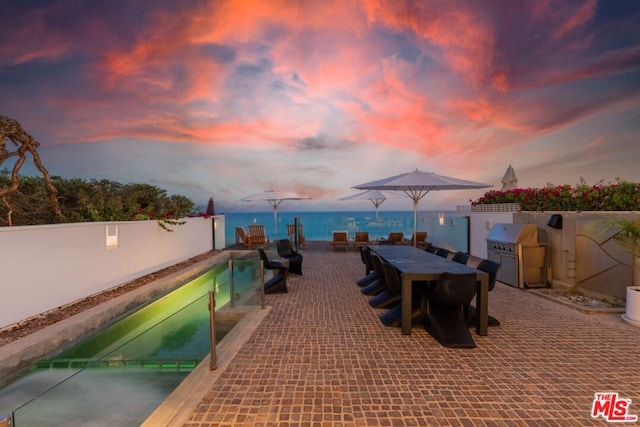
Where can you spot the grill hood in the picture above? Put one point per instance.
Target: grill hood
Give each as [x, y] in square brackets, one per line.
[513, 233]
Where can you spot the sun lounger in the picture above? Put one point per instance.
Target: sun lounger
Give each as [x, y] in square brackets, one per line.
[340, 239]
[257, 237]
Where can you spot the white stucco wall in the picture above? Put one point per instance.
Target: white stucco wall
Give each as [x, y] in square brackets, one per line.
[43, 267]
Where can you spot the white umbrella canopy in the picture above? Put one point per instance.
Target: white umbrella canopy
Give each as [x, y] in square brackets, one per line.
[418, 184]
[509, 180]
[376, 197]
[274, 198]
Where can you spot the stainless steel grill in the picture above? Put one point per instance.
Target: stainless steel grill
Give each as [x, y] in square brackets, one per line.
[522, 257]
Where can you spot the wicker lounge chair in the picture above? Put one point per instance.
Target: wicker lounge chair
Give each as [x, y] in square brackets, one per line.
[257, 236]
[340, 239]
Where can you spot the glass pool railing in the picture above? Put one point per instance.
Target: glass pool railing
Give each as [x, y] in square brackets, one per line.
[119, 375]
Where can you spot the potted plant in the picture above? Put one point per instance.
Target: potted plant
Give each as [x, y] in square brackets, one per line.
[629, 236]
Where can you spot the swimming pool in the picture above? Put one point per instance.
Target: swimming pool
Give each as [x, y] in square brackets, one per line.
[121, 374]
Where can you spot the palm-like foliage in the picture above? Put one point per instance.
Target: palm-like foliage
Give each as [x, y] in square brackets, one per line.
[629, 236]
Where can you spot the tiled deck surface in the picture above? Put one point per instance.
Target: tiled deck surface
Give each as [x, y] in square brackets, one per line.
[321, 357]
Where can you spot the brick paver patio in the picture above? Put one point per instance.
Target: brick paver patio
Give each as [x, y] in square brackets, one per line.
[321, 357]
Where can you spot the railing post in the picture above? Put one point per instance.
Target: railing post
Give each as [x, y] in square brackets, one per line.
[232, 291]
[212, 328]
[296, 224]
[262, 302]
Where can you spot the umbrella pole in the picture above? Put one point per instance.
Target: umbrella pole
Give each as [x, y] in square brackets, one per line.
[415, 221]
[275, 222]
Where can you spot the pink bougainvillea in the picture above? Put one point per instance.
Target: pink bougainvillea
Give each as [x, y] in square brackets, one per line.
[619, 196]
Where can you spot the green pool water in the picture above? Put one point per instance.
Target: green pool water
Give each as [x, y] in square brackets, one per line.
[119, 375]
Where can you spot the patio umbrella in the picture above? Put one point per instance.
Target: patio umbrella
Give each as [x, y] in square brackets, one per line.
[376, 197]
[275, 198]
[509, 180]
[417, 184]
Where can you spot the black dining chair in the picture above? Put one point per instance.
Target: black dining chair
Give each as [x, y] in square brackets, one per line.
[370, 275]
[277, 283]
[285, 250]
[393, 293]
[445, 317]
[444, 253]
[460, 257]
[491, 268]
[378, 285]
[431, 249]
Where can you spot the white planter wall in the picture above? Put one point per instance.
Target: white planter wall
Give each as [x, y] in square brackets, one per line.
[43, 267]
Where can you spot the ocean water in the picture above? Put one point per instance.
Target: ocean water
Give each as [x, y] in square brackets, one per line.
[452, 233]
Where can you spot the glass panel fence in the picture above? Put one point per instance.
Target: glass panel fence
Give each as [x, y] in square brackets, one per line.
[122, 373]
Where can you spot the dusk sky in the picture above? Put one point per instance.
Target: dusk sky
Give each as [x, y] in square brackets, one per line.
[229, 98]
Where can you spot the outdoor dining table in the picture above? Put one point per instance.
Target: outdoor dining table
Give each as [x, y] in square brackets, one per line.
[416, 264]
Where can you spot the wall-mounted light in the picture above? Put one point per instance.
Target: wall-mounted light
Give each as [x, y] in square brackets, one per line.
[453, 222]
[111, 236]
[555, 221]
[489, 224]
[441, 219]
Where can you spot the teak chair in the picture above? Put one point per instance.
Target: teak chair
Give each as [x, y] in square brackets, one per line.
[361, 239]
[340, 238]
[394, 238]
[291, 231]
[257, 237]
[421, 239]
[242, 237]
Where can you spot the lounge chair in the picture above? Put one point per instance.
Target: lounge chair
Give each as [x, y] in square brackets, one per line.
[340, 239]
[285, 250]
[421, 239]
[257, 237]
[242, 237]
[394, 238]
[291, 232]
[361, 239]
[278, 283]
